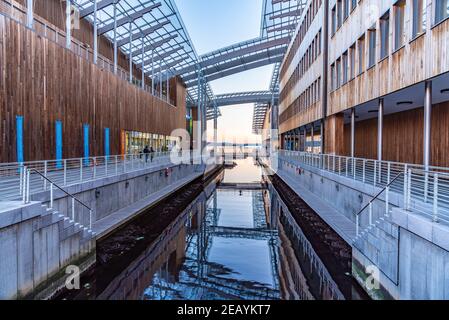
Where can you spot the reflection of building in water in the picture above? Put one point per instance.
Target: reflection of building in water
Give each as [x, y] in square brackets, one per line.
[302, 273]
[259, 214]
[201, 277]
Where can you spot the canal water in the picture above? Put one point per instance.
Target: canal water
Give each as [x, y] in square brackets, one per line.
[226, 244]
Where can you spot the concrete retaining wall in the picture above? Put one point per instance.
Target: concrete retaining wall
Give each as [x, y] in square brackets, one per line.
[36, 244]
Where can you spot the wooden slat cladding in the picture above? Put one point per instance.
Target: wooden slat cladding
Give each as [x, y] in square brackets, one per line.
[418, 59]
[53, 12]
[44, 82]
[403, 137]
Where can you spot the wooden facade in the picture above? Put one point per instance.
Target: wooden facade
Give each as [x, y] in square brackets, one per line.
[408, 59]
[44, 82]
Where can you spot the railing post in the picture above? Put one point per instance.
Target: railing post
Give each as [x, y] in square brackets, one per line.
[21, 179]
[435, 197]
[45, 174]
[363, 171]
[95, 166]
[24, 183]
[28, 187]
[375, 173]
[73, 209]
[106, 166]
[370, 213]
[426, 186]
[90, 219]
[51, 195]
[354, 163]
[387, 200]
[347, 167]
[65, 172]
[116, 165]
[405, 187]
[81, 170]
[409, 188]
[389, 172]
[357, 225]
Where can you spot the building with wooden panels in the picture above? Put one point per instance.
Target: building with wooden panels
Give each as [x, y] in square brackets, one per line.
[384, 91]
[57, 102]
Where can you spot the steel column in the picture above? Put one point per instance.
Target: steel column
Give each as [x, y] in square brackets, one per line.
[380, 126]
[143, 63]
[30, 10]
[427, 125]
[95, 33]
[152, 72]
[115, 38]
[312, 131]
[68, 24]
[352, 132]
[130, 52]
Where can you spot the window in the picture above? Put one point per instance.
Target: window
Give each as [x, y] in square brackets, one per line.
[441, 10]
[419, 17]
[361, 51]
[345, 67]
[346, 9]
[334, 20]
[352, 62]
[399, 21]
[333, 87]
[384, 35]
[338, 73]
[372, 47]
[339, 13]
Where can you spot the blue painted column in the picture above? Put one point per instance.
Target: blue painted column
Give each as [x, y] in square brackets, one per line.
[19, 138]
[86, 143]
[106, 143]
[58, 144]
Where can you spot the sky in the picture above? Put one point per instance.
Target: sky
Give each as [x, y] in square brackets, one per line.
[214, 24]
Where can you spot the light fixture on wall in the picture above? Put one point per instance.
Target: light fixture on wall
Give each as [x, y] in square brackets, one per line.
[445, 91]
[401, 103]
[373, 111]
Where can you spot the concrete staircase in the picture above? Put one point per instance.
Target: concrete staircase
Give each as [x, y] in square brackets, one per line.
[379, 243]
[67, 227]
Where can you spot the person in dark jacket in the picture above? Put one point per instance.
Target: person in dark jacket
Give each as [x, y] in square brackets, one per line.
[146, 152]
[152, 153]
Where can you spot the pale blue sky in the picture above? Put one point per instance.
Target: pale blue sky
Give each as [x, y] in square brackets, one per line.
[214, 24]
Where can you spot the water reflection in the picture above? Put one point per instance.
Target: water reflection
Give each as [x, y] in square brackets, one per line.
[227, 244]
[230, 253]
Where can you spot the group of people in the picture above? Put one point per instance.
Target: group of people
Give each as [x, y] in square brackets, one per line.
[148, 152]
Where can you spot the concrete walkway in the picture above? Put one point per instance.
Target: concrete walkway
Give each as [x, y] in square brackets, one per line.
[344, 227]
[108, 224]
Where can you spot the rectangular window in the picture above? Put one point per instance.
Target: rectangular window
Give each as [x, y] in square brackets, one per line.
[339, 13]
[338, 73]
[441, 10]
[399, 24]
[419, 17]
[345, 67]
[385, 35]
[334, 20]
[346, 9]
[361, 52]
[372, 47]
[333, 77]
[352, 62]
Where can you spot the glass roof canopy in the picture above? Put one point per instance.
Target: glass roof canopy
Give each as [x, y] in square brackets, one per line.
[153, 34]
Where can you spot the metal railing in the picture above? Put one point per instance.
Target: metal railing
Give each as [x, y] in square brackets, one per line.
[424, 191]
[26, 197]
[369, 206]
[66, 172]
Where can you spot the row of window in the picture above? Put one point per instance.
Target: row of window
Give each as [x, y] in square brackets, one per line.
[305, 25]
[345, 69]
[309, 97]
[340, 12]
[309, 57]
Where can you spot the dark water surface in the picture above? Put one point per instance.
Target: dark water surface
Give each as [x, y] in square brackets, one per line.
[226, 244]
